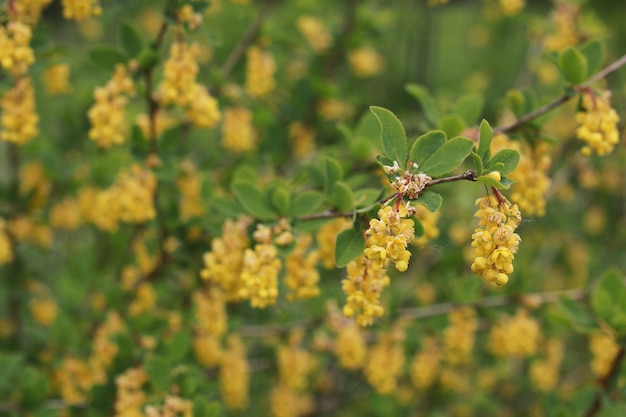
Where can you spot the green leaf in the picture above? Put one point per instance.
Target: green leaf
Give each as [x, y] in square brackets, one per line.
[485, 133]
[342, 197]
[418, 227]
[392, 135]
[252, 200]
[594, 52]
[478, 163]
[306, 202]
[246, 173]
[10, 363]
[508, 157]
[159, 371]
[107, 56]
[350, 244]
[148, 57]
[448, 157]
[491, 182]
[516, 102]
[168, 139]
[431, 200]
[139, 143]
[177, 346]
[426, 100]
[426, 145]
[368, 129]
[573, 65]
[33, 385]
[367, 196]
[607, 295]
[281, 200]
[452, 124]
[202, 407]
[578, 317]
[506, 182]
[332, 174]
[131, 38]
[470, 107]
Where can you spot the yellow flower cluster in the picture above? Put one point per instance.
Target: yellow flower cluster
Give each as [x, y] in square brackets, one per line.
[544, 373]
[603, 348]
[65, 214]
[81, 9]
[429, 224]
[515, 336]
[19, 121]
[326, 238]
[425, 364]
[365, 62]
[187, 15]
[459, 335]
[363, 286]
[190, 187]
[301, 275]
[238, 133]
[6, 249]
[530, 176]
[29, 11]
[350, 348]
[34, 182]
[494, 240]
[301, 138]
[388, 236]
[56, 79]
[566, 33]
[511, 7]
[259, 274]
[173, 406]
[72, 380]
[294, 366]
[260, 69]
[224, 263]
[27, 229]
[162, 122]
[597, 124]
[44, 310]
[16, 54]
[108, 113]
[130, 397]
[203, 111]
[144, 300]
[385, 362]
[333, 109]
[211, 324]
[103, 348]
[315, 32]
[235, 374]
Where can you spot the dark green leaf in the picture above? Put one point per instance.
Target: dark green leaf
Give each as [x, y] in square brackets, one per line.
[606, 296]
[368, 129]
[418, 226]
[131, 38]
[426, 100]
[485, 133]
[177, 346]
[392, 135]
[252, 200]
[478, 163]
[508, 157]
[594, 52]
[350, 244]
[306, 202]
[246, 173]
[342, 197]
[138, 142]
[448, 157]
[578, 317]
[452, 124]
[470, 107]
[148, 57]
[431, 200]
[33, 385]
[281, 200]
[332, 174]
[107, 56]
[367, 196]
[516, 102]
[10, 363]
[202, 407]
[425, 146]
[159, 372]
[573, 65]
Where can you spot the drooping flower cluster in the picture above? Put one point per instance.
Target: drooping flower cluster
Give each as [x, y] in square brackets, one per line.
[81, 9]
[211, 325]
[238, 133]
[223, 265]
[365, 62]
[301, 139]
[173, 406]
[351, 349]
[301, 275]
[130, 397]
[511, 7]
[363, 286]
[566, 31]
[388, 236]
[425, 364]
[260, 69]
[544, 373]
[459, 335]
[597, 124]
[190, 187]
[515, 336]
[428, 219]
[16, 55]
[235, 374]
[56, 79]
[19, 121]
[385, 362]
[531, 175]
[326, 238]
[30, 11]
[494, 240]
[315, 32]
[603, 348]
[6, 250]
[108, 114]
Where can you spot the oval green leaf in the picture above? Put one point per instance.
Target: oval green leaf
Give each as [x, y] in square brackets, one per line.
[131, 38]
[342, 197]
[508, 157]
[306, 203]
[573, 65]
[392, 135]
[448, 157]
[349, 244]
[426, 145]
[431, 200]
[107, 56]
[485, 133]
[426, 100]
[252, 200]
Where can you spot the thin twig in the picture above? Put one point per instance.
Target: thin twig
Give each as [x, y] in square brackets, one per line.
[469, 175]
[246, 39]
[562, 99]
[605, 383]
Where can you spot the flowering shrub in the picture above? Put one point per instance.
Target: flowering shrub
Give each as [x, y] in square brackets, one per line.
[254, 207]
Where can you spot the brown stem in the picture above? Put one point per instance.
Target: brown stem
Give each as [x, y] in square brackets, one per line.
[562, 99]
[246, 39]
[605, 382]
[469, 175]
